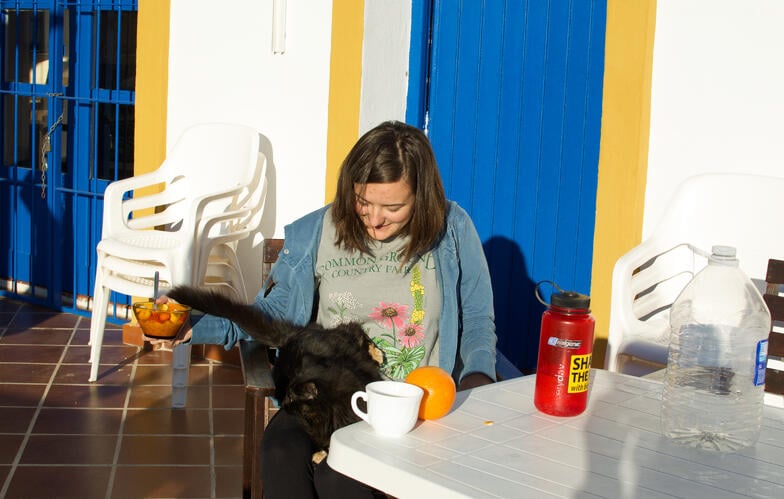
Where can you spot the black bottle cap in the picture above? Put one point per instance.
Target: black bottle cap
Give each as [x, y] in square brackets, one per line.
[570, 299]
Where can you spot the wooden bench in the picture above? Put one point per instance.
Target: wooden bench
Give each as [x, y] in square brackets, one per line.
[259, 390]
[774, 297]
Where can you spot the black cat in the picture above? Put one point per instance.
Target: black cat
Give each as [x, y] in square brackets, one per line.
[317, 369]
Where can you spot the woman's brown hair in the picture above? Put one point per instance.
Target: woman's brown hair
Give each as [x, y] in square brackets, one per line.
[388, 153]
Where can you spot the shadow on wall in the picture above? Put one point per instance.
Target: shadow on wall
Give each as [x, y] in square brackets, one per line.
[517, 311]
[250, 250]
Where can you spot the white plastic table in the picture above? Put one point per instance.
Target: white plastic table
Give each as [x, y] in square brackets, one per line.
[494, 443]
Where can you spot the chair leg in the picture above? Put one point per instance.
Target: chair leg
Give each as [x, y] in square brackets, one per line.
[254, 431]
[181, 362]
[97, 326]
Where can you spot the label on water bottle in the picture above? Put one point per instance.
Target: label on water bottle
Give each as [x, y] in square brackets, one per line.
[762, 363]
[554, 341]
[579, 372]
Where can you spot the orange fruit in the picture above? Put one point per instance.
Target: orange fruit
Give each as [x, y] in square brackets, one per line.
[439, 390]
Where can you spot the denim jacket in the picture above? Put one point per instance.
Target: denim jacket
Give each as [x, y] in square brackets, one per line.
[467, 318]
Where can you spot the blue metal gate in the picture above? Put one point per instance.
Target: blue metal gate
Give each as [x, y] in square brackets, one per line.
[510, 92]
[67, 78]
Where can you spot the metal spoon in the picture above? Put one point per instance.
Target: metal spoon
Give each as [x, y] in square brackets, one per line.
[155, 291]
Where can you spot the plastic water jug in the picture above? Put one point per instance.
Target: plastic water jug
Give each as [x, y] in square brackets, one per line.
[714, 386]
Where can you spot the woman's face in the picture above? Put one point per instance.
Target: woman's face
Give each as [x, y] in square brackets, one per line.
[385, 209]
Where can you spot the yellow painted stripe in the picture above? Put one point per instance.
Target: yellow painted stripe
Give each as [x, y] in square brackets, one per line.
[345, 81]
[152, 80]
[623, 156]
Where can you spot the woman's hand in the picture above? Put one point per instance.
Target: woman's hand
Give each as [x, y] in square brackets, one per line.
[473, 380]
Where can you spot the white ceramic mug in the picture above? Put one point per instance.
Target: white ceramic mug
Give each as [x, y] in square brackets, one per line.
[392, 406]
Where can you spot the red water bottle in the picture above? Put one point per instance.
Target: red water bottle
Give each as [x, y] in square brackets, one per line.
[565, 349]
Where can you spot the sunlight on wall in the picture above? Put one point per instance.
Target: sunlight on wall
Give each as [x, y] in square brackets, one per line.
[345, 79]
[623, 151]
[152, 62]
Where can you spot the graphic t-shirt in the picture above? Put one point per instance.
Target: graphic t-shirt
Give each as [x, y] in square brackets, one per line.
[398, 306]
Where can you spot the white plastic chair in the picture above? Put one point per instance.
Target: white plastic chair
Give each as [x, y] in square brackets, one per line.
[737, 210]
[182, 221]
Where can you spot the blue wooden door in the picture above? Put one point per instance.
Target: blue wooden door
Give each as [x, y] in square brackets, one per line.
[67, 79]
[510, 93]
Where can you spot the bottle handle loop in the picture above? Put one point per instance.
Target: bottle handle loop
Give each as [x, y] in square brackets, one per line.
[539, 296]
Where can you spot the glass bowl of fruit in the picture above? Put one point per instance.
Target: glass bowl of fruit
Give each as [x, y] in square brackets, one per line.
[162, 320]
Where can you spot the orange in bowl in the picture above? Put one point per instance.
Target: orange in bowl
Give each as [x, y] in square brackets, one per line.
[439, 390]
[162, 321]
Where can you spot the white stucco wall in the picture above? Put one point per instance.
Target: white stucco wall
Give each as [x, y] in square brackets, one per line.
[222, 69]
[717, 100]
[385, 53]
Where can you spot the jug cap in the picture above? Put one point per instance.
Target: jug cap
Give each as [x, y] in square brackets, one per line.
[723, 255]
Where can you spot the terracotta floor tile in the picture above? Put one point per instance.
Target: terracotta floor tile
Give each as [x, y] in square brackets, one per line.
[61, 482]
[76, 421]
[113, 373]
[159, 396]
[110, 355]
[9, 305]
[167, 421]
[228, 451]
[15, 419]
[228, 481]
[228, 421]
[160, 357]
[86, 396]
[4, 470]
[197, 397]
[152, 375]
[26, 373]
[156, 374]
[78, 374]
[40, 354]
[226, 375]
[70, 449]
[151, 397]
[48, 320]
[199, 374]
[164, 482]
[9, 446]
[165, 449]
[35, 336]
[228, 397]
[111, 337]
[196, 360]
[108, 326]
[163, 452]
[5, 318]
[20, 395]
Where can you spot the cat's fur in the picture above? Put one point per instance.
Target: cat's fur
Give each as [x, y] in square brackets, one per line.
[317, 369]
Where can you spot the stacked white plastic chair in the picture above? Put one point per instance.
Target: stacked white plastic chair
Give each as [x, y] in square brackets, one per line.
[183, 221]
[737, 210]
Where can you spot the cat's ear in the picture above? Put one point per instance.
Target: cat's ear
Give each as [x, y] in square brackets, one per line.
[377, 354]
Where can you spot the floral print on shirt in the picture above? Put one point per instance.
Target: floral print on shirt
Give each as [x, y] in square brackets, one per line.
[343, 302]
[402, 336]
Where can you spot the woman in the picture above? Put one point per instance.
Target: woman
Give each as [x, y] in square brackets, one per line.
[392, 253]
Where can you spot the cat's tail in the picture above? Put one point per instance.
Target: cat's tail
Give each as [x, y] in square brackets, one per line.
[252, 320]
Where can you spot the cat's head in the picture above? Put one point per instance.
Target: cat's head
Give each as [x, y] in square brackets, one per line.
[325, 367]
